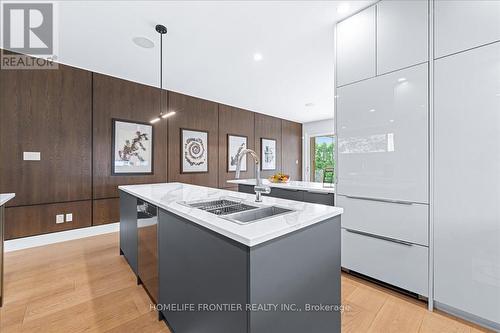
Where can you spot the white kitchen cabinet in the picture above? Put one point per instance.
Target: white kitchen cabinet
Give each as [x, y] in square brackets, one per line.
[464, 24]
[401, 265]
[356, 47]
[467, 181]
[406, 222]
[382, 127]
[402, 34]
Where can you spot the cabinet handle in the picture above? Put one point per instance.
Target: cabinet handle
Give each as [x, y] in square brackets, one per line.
[392, 240]
[380, 200]
[318, 192]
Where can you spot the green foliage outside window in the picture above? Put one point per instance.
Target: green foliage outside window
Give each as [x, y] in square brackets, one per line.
[323, 157]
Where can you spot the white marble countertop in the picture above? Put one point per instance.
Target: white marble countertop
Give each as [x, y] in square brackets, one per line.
[169, 195]
[292, 185]
[4, 197]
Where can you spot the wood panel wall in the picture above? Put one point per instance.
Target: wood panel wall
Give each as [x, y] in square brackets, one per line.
[46, 111]
[236, 122]
[270, 128]
[116, 98]
[33, 220]
[291, 150]
[66, 114]
[195, 114]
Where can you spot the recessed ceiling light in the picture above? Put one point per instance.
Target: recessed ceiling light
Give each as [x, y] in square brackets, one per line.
[143, 42]
[402, 79]
[257, 57]
[371, 110]
[343, 8]
[309, 105]
[391, 120]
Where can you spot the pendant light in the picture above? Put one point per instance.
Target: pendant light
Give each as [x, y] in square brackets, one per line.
[162, 30]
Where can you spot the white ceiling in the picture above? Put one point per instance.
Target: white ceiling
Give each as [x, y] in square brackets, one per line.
[209, 49]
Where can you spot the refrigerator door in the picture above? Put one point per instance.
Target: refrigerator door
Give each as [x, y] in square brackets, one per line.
[467, 182]
[382, 126]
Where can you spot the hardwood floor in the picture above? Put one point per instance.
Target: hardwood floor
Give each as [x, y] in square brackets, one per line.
[84, 285]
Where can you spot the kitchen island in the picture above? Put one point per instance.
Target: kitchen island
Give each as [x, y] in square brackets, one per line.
[292, 190]
[225, 263]
[4, 198]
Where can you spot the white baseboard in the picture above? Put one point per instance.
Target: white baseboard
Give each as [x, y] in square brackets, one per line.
[57, 237]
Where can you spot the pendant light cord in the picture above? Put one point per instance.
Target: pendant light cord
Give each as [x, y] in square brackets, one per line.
[161, 29]
[161, 74]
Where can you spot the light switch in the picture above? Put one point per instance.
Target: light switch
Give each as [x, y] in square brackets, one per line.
[59, 218]
[31, 156]
[69, 217]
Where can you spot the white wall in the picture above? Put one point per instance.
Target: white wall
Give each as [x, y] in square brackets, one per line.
[314, 128]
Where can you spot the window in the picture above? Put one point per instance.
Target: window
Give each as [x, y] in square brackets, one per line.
[322, 157]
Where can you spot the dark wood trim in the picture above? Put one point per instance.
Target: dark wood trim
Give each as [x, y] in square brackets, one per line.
[113, 134]
[182, 150]
[262, 156]
[227, 151]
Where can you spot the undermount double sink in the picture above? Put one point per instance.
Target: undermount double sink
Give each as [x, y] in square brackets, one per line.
[237, 210]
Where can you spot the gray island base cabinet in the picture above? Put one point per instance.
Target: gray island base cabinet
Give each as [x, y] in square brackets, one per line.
[128, 230]
[294, 194]
[202, 268]
[276, 275]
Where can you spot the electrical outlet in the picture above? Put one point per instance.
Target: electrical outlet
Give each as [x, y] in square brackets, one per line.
[31, 156]
[59, 218]
[69, 217]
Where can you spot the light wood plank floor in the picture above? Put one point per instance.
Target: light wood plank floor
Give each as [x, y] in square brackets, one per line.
[84, 285]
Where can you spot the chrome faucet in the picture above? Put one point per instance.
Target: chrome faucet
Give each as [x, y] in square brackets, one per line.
[259, 187]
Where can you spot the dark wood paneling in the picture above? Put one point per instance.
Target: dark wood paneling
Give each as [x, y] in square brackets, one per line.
[46, 111]
[237, 122]
[106, 211]
[195, 114]
[232, 188]
[270, 128]
[41, 219]
[116, 98]
[291, 149]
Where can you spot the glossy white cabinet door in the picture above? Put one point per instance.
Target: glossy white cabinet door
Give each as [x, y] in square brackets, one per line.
[356, 47]
[402, 34]
[409, 223]
[467, 182]
[401, 265]
[382, 126]
[463, 24]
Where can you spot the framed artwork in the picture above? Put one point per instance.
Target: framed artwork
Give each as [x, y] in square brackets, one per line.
[131, 148]
[235, 144]
[268, 154]
[194, 151]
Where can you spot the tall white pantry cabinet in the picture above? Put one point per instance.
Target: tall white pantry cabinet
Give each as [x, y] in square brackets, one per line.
[418, 126]
[467, 159]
